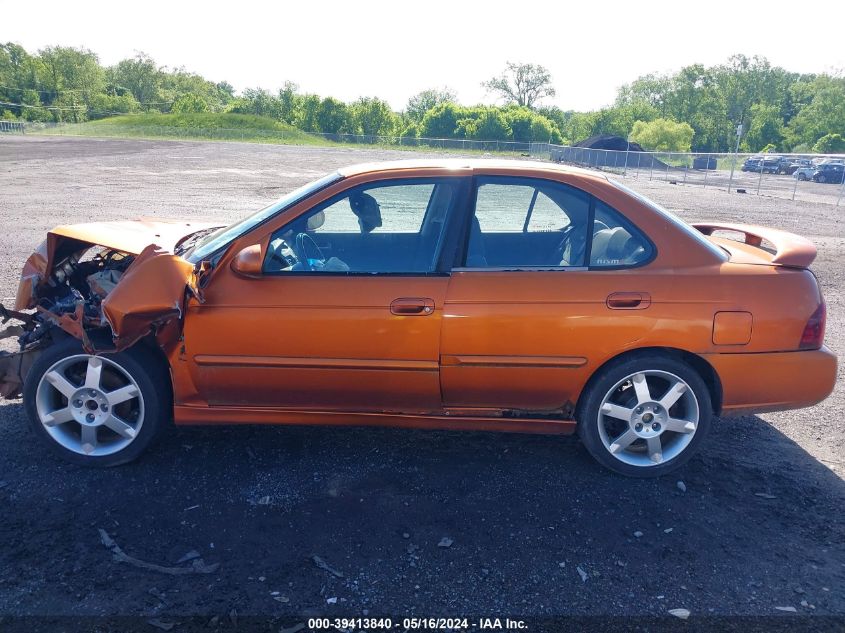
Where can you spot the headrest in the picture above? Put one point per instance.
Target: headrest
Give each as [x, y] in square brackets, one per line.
[611, 246]
[366, 209]
[316, 221]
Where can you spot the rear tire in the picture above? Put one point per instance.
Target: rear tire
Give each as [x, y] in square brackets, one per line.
[645, 416]
[100, 411]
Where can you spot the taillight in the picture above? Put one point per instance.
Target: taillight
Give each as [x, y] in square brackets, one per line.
[814, 330]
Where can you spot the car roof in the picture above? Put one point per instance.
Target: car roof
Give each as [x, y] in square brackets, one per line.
[530, 167]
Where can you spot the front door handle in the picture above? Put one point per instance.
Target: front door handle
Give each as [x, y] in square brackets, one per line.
[412, 306]
[628, 300]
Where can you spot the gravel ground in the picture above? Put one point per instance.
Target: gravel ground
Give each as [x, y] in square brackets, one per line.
[534, 526]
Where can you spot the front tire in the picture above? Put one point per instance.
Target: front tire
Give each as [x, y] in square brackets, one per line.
[101, 410]
[645, 416]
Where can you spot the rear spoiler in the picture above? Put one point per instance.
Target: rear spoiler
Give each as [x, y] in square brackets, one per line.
[790, 249]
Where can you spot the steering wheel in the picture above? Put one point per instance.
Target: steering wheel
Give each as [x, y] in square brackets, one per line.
[300, 249]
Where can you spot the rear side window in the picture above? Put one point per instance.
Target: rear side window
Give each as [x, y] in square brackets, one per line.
[524, 223]
[616, 242]
[527, 223]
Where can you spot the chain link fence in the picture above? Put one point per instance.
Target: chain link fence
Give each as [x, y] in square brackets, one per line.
[813, 178]
[808, 177]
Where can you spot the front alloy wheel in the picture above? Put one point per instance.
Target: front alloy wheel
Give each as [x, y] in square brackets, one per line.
[644, 416]
[90, 405]
[97, 410]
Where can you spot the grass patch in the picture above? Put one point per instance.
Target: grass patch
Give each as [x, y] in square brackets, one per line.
[203, 126]
[210, 126]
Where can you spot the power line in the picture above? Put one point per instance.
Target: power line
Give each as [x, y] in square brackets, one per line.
[45, 92]
[48, 92]
[24, 105]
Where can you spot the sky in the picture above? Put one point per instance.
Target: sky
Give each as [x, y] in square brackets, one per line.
[394, 49]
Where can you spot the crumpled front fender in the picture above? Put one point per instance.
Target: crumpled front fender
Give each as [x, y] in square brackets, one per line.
[150, 293]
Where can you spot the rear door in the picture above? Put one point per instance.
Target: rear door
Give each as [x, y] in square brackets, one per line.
[550, 281]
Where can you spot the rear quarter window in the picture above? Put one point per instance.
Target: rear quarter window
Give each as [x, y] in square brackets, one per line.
[616, 242]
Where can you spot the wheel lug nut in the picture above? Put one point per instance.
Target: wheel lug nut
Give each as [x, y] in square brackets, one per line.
[104, 407]
[77, 403]
[90, 417]
[638, 427]
[655, 427]
[639, 409]
[93, 393]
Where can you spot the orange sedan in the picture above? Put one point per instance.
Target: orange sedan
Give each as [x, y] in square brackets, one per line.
[494, 295]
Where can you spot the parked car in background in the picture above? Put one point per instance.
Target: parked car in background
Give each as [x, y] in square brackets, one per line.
[752, 163]
[794, 164]
[804, 173]
[448, 294]
[764, 164]
[830, 172]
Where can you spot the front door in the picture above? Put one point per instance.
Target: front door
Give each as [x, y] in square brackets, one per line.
[346, 314]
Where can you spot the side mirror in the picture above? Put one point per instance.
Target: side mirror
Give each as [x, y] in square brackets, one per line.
[248, 262]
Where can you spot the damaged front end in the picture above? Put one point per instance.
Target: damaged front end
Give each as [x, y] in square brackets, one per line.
[107, 284]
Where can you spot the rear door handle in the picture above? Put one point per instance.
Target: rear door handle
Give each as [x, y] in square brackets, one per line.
[412, 306]
[628, 300]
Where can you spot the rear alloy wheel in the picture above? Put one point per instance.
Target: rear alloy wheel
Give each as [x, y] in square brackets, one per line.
[645, 417]
[95, 410]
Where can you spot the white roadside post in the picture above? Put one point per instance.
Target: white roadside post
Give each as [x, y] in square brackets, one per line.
[736, 152]
[627, 149]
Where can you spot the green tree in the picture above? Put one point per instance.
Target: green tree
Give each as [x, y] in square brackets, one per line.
[484, 124]
[441, 121]
[830, 144]
[527, 125]
[522, 84]
[290, 102]
[333, 117]
[66, 70]
[33, 109]
[306, 119]
[424, 101]
[140, 76]
[765, 128]
[104, 105]
[544, 130]
[189, 103]
[825, 114]
[372, 116]
[663, 135]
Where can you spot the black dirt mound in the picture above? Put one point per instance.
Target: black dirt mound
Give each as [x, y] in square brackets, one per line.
[609, 141]
[607, 150]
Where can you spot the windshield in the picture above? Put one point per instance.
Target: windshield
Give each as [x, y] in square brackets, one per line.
[213, 242]
[674, 219]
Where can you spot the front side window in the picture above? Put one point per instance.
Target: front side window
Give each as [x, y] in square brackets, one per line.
[387, 227]
[213, 242]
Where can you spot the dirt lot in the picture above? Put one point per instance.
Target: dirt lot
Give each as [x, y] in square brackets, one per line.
[759, 525]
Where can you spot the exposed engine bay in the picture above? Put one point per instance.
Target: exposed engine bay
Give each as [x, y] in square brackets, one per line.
[109, 285]
[71, 302]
